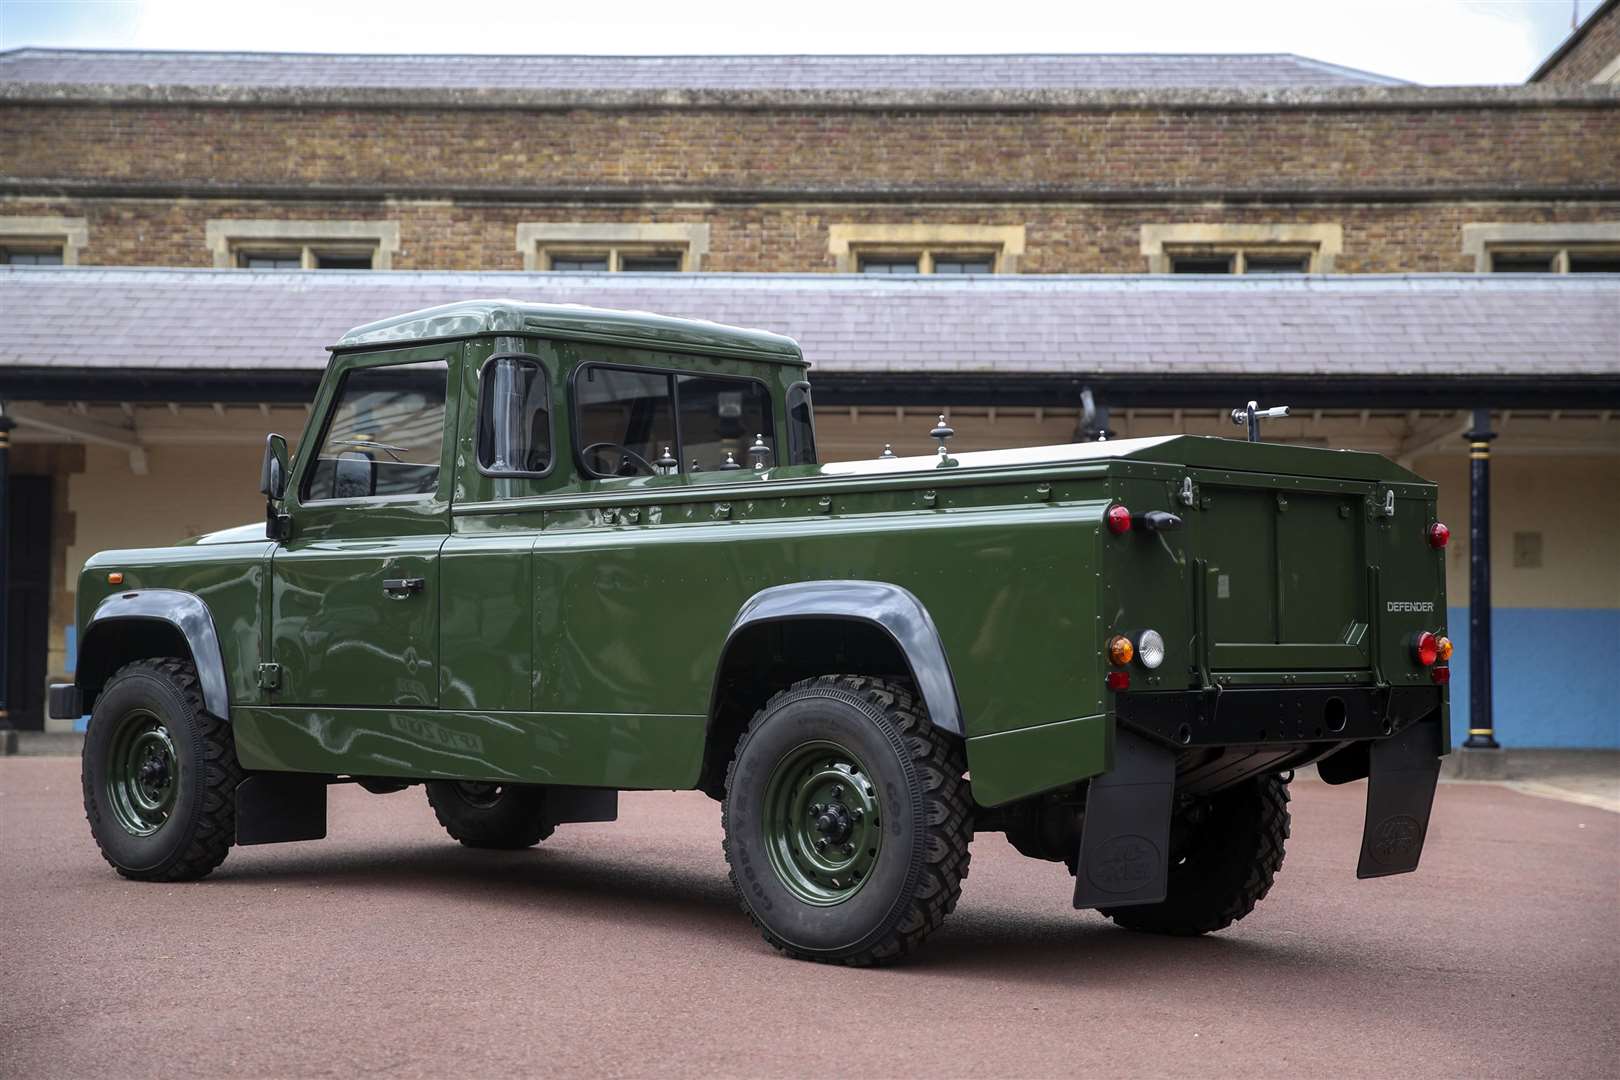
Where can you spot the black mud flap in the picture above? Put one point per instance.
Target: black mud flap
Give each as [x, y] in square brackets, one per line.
[275, 808]
[581, 804]
[1400, 792]
[1125, 841]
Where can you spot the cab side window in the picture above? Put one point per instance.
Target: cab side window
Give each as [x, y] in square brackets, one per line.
[384, 436]
[721, 416]
[514, 417]
[626, 419]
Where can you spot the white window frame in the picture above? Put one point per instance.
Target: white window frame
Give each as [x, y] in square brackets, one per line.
[1485, 240]
[1322, 243]
[45, 233]
[231, 239]
[849, 243]
[540, 241]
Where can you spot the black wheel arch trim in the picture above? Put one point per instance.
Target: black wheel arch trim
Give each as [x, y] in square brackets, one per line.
[186, 612]
[890, 608]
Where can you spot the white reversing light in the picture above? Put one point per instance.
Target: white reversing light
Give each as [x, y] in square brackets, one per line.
[1150, 649]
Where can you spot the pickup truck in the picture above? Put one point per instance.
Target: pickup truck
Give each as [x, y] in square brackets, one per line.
[530, 556]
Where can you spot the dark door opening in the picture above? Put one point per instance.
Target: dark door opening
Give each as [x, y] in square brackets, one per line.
[28, 626]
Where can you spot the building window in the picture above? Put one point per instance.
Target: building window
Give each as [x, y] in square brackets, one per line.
[42, 241]
[1241, 249]
[925, 249]
[612, 260]
[14, 256]
[1583, 248]
[1564, 260]
[1241, 261]
[607, 247]
[302, 245]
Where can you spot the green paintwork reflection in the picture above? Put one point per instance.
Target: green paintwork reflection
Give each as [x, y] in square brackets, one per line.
[533, 748]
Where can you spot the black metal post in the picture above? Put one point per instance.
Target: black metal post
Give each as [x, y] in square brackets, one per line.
[1481, 727]
[6, 424]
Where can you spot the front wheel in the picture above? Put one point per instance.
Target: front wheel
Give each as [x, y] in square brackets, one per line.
[159, 774]
[847, 821]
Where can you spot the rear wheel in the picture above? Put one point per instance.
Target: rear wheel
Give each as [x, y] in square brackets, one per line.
[1225, 853]
[847, 821]
[481, 815]
[159, 774]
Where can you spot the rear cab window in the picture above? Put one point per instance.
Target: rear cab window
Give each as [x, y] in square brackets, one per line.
[642, 421]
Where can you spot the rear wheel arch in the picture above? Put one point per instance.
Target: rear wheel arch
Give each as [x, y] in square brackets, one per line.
[150, 624]
[788, 633]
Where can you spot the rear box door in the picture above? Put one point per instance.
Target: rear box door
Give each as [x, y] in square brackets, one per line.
[1285, 580]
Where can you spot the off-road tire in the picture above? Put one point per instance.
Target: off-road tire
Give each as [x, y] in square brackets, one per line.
[510, 819]
[1226, 864]
[926, 821]
[201, 825]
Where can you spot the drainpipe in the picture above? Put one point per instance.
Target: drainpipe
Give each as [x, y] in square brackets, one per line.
[1481, 757]
[6, 424]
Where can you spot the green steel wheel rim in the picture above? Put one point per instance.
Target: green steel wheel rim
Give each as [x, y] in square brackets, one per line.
[143, 773]
[823, 823]
[478, 793]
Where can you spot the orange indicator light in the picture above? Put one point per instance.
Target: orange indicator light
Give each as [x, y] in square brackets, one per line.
[115, 578]
[1120, 649]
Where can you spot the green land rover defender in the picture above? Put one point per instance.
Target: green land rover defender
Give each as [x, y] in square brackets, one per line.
[530, 556]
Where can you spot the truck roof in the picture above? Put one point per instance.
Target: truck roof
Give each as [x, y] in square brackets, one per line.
[467, 318]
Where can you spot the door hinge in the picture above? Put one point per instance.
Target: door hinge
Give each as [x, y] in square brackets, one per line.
[269, 676]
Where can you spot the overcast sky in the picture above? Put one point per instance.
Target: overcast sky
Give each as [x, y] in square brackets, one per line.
[1426, 41]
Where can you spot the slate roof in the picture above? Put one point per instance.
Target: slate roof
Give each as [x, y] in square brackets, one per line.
[1066, 71]
[1362, 325]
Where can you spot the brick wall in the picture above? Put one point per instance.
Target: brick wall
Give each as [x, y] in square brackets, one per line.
[1598, 48]
[443, 151]
[1060, 237]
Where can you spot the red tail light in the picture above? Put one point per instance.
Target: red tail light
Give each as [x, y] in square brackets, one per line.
[1118, 680]
[1441, 675]
[1426, 649]
[1119, 519]
[1439, 535]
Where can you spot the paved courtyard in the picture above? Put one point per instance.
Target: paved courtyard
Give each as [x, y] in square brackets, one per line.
[617, 949]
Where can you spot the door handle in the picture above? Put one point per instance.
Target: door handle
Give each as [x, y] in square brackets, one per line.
[404, 585]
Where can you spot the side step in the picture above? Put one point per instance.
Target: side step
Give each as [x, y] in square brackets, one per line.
[1125, 841]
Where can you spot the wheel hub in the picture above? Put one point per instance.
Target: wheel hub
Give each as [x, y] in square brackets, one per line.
[822, 823]
[142, 774]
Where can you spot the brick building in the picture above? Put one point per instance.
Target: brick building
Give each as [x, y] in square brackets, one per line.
[983, 234]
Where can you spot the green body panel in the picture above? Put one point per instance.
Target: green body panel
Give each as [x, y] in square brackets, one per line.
[1010, 764]
[588, 750]
[571, 628]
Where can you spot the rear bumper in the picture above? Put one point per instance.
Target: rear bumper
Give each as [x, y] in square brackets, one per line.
[64, 702]
[1276, 715]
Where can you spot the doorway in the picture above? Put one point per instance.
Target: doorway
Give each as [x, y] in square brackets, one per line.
[28, 521]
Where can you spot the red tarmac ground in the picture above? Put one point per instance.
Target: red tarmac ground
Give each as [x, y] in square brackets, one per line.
[617, 949]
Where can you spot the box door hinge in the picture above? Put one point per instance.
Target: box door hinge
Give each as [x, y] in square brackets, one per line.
[269, 676]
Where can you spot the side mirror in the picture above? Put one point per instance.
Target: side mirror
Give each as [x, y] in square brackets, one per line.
[273, 475]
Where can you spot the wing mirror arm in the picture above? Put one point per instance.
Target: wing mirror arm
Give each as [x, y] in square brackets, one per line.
[273, 474]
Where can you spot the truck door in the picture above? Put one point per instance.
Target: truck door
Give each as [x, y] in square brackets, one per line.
[1285, 578]
[355, 590]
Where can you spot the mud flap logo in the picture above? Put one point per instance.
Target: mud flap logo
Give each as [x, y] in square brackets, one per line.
[1396, 840]
[1124, 864]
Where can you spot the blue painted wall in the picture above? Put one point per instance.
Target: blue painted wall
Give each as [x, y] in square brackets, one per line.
[1556, 676]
